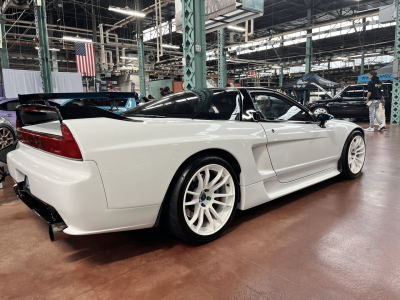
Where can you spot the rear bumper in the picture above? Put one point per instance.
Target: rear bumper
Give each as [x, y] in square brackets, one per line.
[47, 212]
[73, 192]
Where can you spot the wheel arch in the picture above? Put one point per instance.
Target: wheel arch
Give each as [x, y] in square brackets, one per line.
[340, 162]
[208, 152]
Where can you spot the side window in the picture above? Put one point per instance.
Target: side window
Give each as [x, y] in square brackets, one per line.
[224, 105]
[354, 92]
[278, 109]
[387, 91]
[216, 104]
[10, 105]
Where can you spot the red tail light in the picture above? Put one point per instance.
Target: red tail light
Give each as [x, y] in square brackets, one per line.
[65, 146]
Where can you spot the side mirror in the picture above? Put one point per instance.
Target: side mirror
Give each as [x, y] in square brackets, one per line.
[256, 116]
[323, 118]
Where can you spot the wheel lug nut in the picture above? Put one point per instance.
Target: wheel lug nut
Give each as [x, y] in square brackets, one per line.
[203, 205]
[208, 198]
[206, 191]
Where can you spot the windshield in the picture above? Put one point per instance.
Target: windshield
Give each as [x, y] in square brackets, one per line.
[217, 104]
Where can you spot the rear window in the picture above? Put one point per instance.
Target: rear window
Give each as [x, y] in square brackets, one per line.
[200, 104]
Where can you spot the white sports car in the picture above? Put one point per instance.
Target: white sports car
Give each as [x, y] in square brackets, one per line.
[186, 161]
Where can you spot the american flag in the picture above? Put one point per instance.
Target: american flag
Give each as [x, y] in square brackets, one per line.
[85, 59]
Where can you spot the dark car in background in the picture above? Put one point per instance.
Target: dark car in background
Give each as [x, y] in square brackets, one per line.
[8, 134]
[351, 102]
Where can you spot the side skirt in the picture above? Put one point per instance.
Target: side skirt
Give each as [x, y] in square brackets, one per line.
[262, 192]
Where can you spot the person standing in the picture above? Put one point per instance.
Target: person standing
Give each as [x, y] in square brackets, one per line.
[374, 97]
[294, 95]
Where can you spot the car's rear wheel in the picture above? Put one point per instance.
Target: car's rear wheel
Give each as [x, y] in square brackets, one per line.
[353, 155]
[7, 137]
[320, 110]
[204, 200]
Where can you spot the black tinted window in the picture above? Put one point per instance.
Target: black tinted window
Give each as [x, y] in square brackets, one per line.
[200, 104]
[10, 106]
[354, 92]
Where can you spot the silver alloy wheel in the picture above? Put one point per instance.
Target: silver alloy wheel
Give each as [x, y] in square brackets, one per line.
[319, 111]
[6, 137]
[356, 154]
[209, 199]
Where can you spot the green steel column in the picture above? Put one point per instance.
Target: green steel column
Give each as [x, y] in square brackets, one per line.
[309, 53]
[222, 74]
[5, 63]
[140, 47]
[44, 53]
[98, 70]
[194, 43]
[395, 117]
[281, 76]
[364, 20]
[142, 71]
[362, 62]
[309, 46]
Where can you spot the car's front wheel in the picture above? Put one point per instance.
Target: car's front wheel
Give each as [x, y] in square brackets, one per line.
[320, 110]
[353, 155]
[204, 200]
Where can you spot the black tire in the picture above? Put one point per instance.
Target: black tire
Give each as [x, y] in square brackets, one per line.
[4, 141]
[320, 107]
[176, 222]
[347, 173]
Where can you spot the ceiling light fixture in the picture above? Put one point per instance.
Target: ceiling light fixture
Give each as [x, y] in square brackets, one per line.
[76, 39]
[237, 28]
[127, 11]
[127, 57]
[50, 49]
[171, 46]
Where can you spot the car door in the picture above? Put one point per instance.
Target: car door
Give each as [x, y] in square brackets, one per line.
[352, 104]
[297, 145]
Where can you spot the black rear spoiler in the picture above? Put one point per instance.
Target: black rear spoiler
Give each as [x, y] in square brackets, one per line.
[28, 98]
[38, 114]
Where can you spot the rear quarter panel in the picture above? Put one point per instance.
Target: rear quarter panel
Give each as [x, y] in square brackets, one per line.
[137, 160]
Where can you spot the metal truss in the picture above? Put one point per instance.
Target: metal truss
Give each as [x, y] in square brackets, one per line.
[222, 75]
[5, 63]
[44, 52]
[395, 116]
[142, 71]
[194, 34]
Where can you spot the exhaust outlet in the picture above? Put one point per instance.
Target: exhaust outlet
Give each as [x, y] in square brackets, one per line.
[56, 232]
[16, 191]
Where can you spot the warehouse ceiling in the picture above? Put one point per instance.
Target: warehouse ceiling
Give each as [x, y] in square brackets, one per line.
[279, 17]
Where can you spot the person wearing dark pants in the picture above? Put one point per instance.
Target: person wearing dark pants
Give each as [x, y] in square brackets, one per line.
[373, 99]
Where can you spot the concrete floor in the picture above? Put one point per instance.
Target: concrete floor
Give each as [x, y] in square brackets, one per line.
[336, 240]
